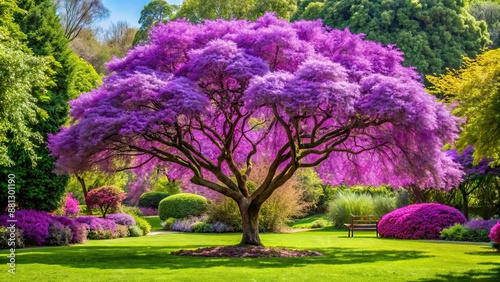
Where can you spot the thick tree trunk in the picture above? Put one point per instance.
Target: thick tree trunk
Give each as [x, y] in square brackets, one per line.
[85, 191]
[465, 196]
[250, 226]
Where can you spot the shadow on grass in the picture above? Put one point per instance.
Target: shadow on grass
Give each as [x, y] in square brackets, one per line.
[492, 274]
[105, 257]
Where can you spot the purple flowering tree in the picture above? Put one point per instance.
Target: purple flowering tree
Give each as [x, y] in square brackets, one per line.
[212, 101]
[476, 175]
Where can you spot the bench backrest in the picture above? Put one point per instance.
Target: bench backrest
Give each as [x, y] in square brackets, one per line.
[364, 219]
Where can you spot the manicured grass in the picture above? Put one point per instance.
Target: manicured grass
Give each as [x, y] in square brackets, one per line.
[307, 221]
[362, 258]
[154, 221]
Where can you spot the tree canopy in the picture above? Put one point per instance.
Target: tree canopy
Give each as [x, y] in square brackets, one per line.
[476, 88]
[212, 101]
[196, 10]
[37, 187]
[78, 14]
[24, 78]
[155, 11]
[433, 34]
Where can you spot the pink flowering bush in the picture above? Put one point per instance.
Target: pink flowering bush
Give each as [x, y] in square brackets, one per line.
[106, 198]
[495, 236]
[419, 221]
[71, 206]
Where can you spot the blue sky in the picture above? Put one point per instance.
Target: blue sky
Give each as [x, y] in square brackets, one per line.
[127, 10]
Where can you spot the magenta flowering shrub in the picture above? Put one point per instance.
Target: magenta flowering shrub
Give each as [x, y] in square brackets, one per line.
[481, 224]
[419, 221]
[495, 233]
[71, 206]
[122, 219]
[149, 211]
[78, 230]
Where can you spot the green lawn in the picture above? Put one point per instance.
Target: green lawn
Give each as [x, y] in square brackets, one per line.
[154, 221]
[362, 258]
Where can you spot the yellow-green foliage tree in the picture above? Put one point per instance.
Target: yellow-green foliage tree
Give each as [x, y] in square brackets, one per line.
[476, 88]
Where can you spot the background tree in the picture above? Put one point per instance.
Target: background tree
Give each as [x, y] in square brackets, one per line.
[308, 10]
[476, 176]
[38, 187]
[212, 101]
[155, 11]
[24, 78]
[78, 14]
[476, 88]
[488, 11]
[433, 34]
[196, 10]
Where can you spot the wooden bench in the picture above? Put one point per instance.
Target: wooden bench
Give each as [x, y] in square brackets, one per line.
[362, 223]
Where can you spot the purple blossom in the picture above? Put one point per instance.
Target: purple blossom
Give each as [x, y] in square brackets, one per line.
[419, 221]
[97, 223]
[35, 225]
[481, 224]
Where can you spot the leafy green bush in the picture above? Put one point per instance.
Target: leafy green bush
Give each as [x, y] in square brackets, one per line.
[283, 205]
[182, 205]
[142, 223]
[225, 210]
[319, 223]
[167, 224]
[151, 199]
[131, 210]
[202, 227]
[459, 232]
[5, 235]
[134, 231]
[120, 231]
[340, 209]
[383, 204]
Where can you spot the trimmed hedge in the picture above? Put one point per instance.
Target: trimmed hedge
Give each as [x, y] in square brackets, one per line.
[182, 205]
[151, 199]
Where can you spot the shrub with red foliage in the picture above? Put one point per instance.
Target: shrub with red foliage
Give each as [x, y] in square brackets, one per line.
[106, 198]
[419, 221]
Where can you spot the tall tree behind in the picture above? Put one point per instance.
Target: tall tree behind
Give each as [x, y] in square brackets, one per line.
[197, 10]
[21, 73]
[433, 34]
[37, 187]
[488, 11]
[78, 14]
[153, 12]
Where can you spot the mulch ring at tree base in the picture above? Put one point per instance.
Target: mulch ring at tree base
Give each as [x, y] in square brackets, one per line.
[247, 252]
